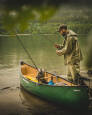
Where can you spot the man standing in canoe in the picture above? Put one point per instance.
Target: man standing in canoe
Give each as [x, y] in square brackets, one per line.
[71, 51]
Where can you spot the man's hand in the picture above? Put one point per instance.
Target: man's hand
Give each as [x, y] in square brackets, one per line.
[57, 46]
[58, 52]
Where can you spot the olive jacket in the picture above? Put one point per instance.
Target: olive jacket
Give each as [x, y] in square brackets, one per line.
[70, 49]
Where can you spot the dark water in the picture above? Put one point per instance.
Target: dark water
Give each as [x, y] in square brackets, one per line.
[42, 23]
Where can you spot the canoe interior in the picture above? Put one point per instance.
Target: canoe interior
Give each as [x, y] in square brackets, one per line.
[30, 73]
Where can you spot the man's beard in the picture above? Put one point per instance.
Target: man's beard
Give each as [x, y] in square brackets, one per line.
[64, 34]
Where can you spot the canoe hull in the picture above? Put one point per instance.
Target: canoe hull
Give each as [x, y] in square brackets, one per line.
[74, 97]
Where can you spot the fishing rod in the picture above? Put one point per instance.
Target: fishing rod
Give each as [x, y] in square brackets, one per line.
[30, 57]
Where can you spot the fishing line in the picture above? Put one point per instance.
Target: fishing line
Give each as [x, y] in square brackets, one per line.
[30, 57]
[51, 41]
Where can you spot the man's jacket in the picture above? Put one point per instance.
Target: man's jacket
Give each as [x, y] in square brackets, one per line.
[70, 49]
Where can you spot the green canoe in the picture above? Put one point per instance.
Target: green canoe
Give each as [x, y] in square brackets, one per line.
[62, 92]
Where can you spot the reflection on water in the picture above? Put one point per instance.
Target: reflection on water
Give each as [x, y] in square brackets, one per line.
[41, 107]
[15, 101]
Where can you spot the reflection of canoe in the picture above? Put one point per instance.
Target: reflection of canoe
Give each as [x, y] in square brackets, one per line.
[66, 93]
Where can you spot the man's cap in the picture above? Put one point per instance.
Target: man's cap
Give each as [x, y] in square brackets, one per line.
[63, 26]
